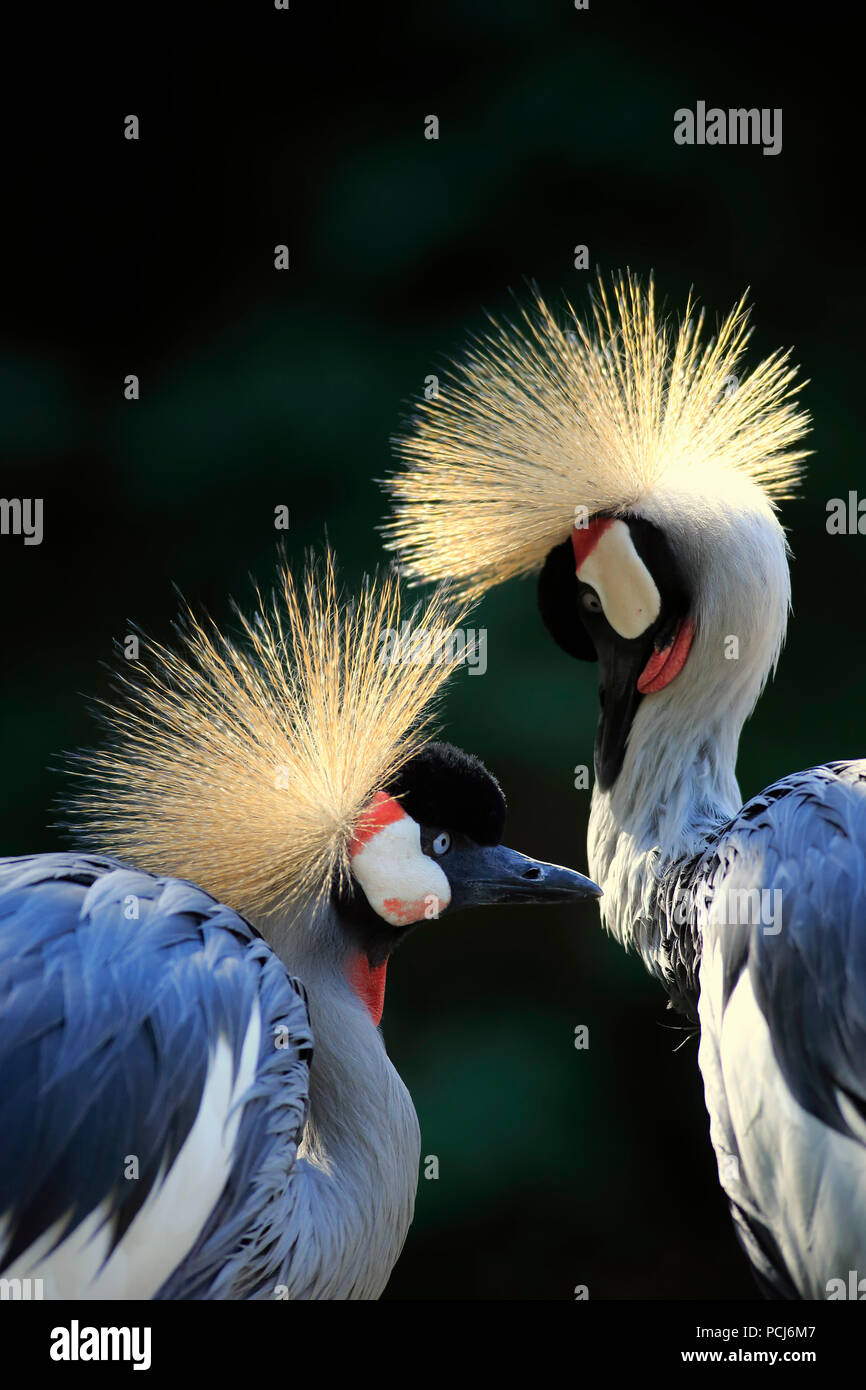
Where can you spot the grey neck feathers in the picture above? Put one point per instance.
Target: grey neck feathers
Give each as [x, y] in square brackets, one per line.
[676, 788]
[354, 1191]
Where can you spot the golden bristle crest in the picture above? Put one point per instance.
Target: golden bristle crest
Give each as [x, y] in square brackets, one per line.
[245, 765]
[543, 420]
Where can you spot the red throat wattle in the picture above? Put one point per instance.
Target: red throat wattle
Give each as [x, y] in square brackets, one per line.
[665, 664]
[368, 982]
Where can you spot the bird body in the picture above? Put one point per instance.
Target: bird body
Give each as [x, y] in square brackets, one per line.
[644, 467]
[196, 1095]
[783, 1026]
[754, 923]
[182, 1112]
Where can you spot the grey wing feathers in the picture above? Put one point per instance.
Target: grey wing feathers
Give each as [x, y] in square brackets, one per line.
[803, 842]
[809, 976]
[779, 895]
[114, 987]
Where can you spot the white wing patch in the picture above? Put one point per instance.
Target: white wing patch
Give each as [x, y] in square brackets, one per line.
[169, 1222]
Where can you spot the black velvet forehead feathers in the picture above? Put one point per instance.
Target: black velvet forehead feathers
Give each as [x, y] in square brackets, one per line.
[448, 789]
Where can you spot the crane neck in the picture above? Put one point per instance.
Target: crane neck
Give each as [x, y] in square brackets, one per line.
[359, 1154]
[677, 784]
[676, 788]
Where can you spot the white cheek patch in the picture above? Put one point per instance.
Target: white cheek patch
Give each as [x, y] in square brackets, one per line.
[399, 881]
[627, 590]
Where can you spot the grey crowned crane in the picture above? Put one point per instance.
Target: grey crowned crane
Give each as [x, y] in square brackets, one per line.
[195, 1097]
[638, 467]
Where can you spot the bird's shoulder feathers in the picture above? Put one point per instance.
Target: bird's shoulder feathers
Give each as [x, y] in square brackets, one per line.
[154, 1066]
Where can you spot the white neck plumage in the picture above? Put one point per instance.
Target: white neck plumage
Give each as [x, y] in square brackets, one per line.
[354, 1194]
[677, 786]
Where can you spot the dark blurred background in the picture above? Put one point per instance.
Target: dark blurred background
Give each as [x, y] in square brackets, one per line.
[557, 1167]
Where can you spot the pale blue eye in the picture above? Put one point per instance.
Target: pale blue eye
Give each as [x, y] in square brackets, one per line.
[442, 843]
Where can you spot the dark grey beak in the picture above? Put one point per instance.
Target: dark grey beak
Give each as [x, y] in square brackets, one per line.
[485, 874]
[619, 669]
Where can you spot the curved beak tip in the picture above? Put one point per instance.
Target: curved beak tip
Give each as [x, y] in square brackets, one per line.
[588, 889]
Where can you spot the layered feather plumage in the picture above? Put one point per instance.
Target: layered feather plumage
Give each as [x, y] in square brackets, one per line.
[546, 422]
[246, 765]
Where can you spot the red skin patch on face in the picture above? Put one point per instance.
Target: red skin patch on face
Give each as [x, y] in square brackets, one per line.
[405, 912]
[584, 539]
[368, 982]
[383, 810]
[665, 664]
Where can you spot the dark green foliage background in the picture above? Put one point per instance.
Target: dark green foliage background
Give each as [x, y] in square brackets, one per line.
[557, 1167]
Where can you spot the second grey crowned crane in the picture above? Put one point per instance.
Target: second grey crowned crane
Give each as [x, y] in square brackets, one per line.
[639, 468]
[195, 1097]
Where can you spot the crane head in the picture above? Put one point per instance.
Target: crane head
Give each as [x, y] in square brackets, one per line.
[294, 766]
[614, 593]
[431, 844]
[638, 467]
